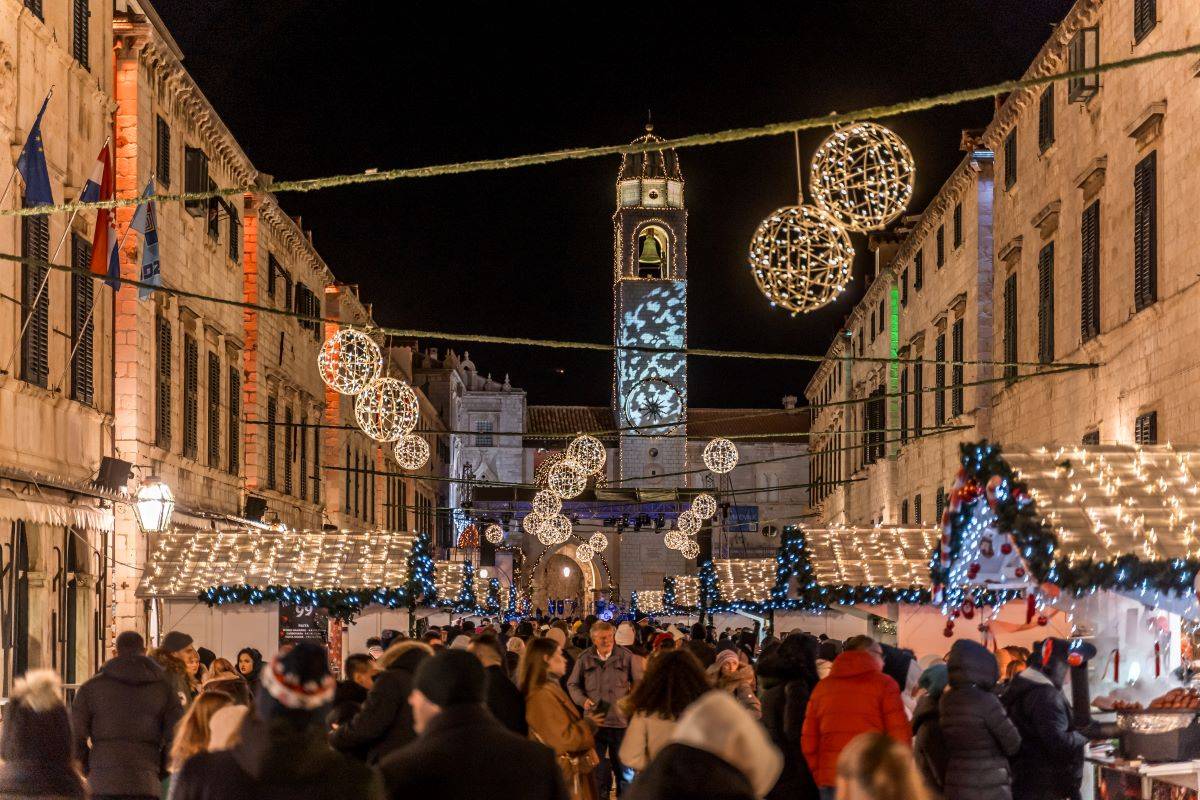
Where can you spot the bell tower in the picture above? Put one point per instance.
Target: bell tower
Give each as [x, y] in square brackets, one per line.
[650, 304]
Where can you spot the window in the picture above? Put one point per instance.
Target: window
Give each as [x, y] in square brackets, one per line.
[958, 229]
[1089, 281]
[1145, 429]
[918, 399]
[939, 381]
[882, 315]
[235, 234]
[1144, 18]
[904, 288]
[191, 396]
[1010, 159]
[316, 492]
[36, 7]
[214, 410]
[213, 214]
[956, 369]
[904, 511]
[347, 474]
[302, 437]
[288, 440]
[941, 246]
[919, 270]
[1046, 303]
[195, 179]
[1091, 437]
[1145, 232]
[83, 355]
[873, 436]
[308, 304]
[903, 404]
[235, 411]
[162, 152]
[483, 434]
[917, 510]
[162, 428]
[1083, 53]
[1046, 119]
[939, 504]
[1010, 327]
[271, 440]
[272, 272]
[79, 31]
[35, 301]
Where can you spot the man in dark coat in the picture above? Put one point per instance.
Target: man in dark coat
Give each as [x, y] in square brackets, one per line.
[128, 711]
[451, 721]
[1049, 764]
[786, 677]
[282, 752]
[929, 746]
[502, 697]
[384, 723]
[978, 736]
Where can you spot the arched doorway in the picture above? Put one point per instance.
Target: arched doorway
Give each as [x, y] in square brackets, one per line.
[560, 576]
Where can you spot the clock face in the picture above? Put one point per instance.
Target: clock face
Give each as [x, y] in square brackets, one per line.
[654, 406]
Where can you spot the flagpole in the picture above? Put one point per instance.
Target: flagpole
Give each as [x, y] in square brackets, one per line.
[13, 175]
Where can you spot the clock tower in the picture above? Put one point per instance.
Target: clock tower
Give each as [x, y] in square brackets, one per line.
[650, 307]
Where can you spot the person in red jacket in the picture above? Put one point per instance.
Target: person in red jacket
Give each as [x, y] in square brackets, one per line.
[856, 698]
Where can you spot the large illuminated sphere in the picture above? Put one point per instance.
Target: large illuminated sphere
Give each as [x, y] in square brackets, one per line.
[567, 479]
[585, 553]
[546, 503]
[720, 456]
[387, 409]
[535, 523]
[541, 475]
[587, 452]
[688, 523]
[349, 360]
[494, 533]
[599, 542]
[674, 540]
[690, 549]
[557, 529]
[704, 506]
[412, 451]
[801, 258]
[862, 174]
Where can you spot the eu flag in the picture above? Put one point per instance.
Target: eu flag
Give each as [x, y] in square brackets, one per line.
[32, 165]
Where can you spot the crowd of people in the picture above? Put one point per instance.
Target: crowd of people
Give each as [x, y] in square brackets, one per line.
[553, 708]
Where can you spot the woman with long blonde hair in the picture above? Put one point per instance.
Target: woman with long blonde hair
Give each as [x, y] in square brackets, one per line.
[874, 766]
[554, 720]
[192, 733]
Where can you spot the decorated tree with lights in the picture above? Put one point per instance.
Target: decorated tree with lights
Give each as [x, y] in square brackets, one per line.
[420, 586]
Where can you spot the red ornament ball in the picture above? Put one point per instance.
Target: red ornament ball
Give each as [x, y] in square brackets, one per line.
[1006, 548]
[1043, 620]
[1019, 572]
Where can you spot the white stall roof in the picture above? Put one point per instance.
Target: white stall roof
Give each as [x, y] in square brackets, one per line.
[745, 579]
[877, 556]
[449, 577]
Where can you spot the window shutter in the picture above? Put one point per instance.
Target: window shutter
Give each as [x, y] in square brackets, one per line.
[917, 510]
[1089, 281]
[316, 478]
[272, 271]
[903, 404]
[939, 381]
[1144, 18]
[235, 234]
[1010, 326]
[904, 511]
[162, 152]
[958, 228]
[1091, 437]
[1046, 119]
[1083, 53]
[1010, 159]
[349, 470]
[214, 410]
[1145, 429]
[919, 270]
[195, 179]
[1145, 232]
[271, 443]
[941, 246]
[1046, 304]
[191, 396]
[904, 288]
[288, 440]
[163, 394]
[36, 7]
[82, 323]
[918, 422]
[883, 327]
[302, 437]
[80, 14]
[35, 344]
[957, 371]
[939, 504]
[234, 424]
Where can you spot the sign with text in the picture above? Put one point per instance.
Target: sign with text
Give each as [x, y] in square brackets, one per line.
[302, 624]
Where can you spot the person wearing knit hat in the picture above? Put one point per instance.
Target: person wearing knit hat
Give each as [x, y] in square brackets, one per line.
[172, 655]
[35, 743]
[626, 634]
[451, 719]
[717, 750]
[731, 675]
[282, 749]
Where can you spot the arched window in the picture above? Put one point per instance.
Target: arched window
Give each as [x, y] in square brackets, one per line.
[652, 253]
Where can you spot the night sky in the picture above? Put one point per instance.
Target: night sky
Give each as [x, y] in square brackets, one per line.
[310, 91]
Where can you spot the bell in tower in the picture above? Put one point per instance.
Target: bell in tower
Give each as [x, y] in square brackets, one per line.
[650, 258]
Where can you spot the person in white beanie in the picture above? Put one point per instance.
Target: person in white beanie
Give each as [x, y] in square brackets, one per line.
[717, 750]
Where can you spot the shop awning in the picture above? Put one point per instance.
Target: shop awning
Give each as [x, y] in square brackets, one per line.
[747, 580]
[82, 513]
[187, 563]
[449, 577]
[883, 556]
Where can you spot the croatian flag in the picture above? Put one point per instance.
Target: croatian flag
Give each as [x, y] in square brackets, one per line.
[32, 165]
[105, 260]
[145, 222]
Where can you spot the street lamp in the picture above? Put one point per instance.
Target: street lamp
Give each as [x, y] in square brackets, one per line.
[154, 506]
[566, 572]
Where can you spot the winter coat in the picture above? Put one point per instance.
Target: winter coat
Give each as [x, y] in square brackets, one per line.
[740, 683]
[784, 705]
[646, 735]
[1049, 763]
[929, 747]
[233, 685]
[557, 723]
[176, 674]
[432, 764]
[128, 711]
[609, 679]
[683, 772]
[977, 733]
[276, 760]
[856, 698]
[385, 722]
[504, 700]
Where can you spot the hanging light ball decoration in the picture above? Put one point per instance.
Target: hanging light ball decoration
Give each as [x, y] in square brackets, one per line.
[584, 552]
[599, 542]
[567, 479]
[546, 503]
[720, 456]
[704, 506]
[349, 361]
[587, 452]
[534, 523]
[690, 549]
[801, 258]
[541, 475]
[494, 533]
[412, 451]
[688, 523]
[387, 409]
[557, 529]
[862, 174]
[674, 540]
